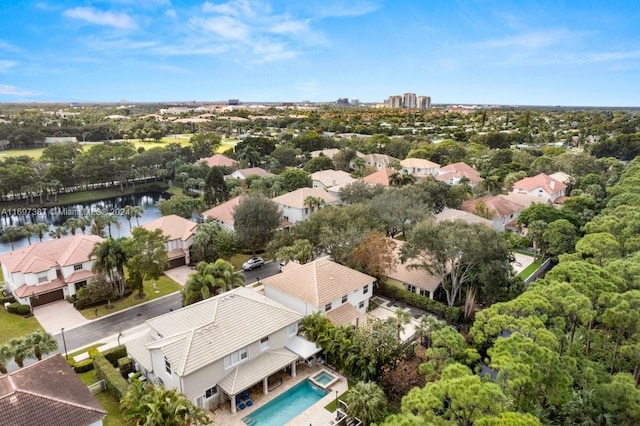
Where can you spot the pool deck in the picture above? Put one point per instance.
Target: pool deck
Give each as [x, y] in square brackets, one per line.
[315, 415]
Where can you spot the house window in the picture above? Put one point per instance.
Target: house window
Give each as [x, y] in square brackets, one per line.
[77, 266]
[424, 293]
[43, 278]
[264, 343]
[344, 299]
[211, 392]
[411, 288]
[365, 290]
[327, 307]
[167, 365]
[361, 305]
[236, 357]
[292, 330]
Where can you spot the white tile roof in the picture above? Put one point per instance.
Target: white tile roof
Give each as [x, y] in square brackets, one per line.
[296, 198]
[205, 332]
[319, 282]
[332, 177]
[173, 226]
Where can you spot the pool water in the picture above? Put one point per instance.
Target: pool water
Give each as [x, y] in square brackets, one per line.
[285, 407]
[323, 378]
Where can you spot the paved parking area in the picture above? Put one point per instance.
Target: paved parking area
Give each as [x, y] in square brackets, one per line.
[180, 274]
[521, 261]
[61, 314]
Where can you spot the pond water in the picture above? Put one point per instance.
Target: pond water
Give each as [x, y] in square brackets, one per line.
[56, 216]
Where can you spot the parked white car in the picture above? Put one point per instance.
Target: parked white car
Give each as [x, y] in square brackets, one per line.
[253, 263]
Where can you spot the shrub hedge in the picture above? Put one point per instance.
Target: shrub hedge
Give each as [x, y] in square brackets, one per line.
[116, 385]
[114, 354]
[82, 366]
[17, 308]
[450, 313]
[5, 299]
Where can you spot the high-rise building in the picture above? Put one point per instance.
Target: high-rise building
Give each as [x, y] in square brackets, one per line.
[424, 102]
[409, 100]
[395, 101]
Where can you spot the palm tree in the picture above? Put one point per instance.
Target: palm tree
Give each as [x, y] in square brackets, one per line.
[110, 219]
[40, 229]
[402, 318]
[153, 404]
[314, 326]
[128, 213]
[313, 202]
[99, 223]
[58, 232]
[366, 401]
[30, 230]
[20, 350]
[428, 324]
[398, 178]
[41, 343]
[72, 224]
[5, 355]
[83, 222]
[12, 234]
[110, 258]
[210, 279]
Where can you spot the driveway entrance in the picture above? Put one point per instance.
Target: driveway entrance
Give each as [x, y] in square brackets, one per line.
[56, 315]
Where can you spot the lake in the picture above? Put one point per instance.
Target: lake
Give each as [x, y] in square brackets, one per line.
[56, 216]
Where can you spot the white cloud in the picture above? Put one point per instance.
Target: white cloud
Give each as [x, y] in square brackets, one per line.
[5, 65]
[171, 13]
[9, 90]
[94, 16]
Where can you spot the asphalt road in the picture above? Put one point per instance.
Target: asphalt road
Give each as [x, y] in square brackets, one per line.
[119, 322]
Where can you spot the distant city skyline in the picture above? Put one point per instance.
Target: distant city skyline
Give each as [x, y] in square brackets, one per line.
[581, 53]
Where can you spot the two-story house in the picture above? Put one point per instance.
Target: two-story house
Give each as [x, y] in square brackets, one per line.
[179, 232]
[219, 160]
[243, 174]
[296, 207]
[419, 167]
[326, 179]
[49, 270]
[325, 286]
[454, 173]
[215, 349]
[223, 213]
[542, 186]
[379, 161]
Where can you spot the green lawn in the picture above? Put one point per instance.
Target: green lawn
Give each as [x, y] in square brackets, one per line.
[12, 325]
[164, 286]
[112, 407]
[238, 259]
[88, 378]
[526, 272]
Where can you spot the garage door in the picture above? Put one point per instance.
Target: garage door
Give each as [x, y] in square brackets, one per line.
[174, 263]
[44, 298]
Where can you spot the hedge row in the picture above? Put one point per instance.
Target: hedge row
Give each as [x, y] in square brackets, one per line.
[114, 354]
[116, 385]
[450, 313]
[81, 366]
[5, 299]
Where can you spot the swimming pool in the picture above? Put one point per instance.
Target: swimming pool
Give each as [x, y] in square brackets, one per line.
[285, 407]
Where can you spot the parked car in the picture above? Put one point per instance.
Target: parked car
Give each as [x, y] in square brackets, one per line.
[253, 263]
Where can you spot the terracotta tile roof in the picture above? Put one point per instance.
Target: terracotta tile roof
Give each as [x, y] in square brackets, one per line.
[381, 177]
[343, 314]
[47, 393]
[560, 177]
[525, 200]
[200, 334]
[332, 177]
[462, 169]
[414, 276]
[173, 226]
[542, 181]
[224, 212]
[62, 252]
[319, 282]
[80, 275]
[219, 160]
[497, 206]
[419, 163]
[296, 198]
[32, 290]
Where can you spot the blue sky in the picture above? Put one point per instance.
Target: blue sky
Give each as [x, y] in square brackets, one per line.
[456, 51]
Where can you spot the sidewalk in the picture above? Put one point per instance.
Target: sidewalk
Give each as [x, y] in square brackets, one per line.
[114, 340]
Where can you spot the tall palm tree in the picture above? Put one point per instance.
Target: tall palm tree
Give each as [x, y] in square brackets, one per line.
[313, 203]
[366, 401]
[84, 222]
[128, 213]
[20, 350]
[99, 222]
[402, 318]
[110, 258]
[40, 343]
[428, 325]
[30, 229]
[72, 224]
[11, 234]
[41, 228]
[138, 211]
[399, 178]
[314, 325]
[110, 219]
[58, 232]
[5, 355]
[210, 279]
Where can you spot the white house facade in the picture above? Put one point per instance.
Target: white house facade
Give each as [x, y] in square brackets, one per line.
[294, 205]
[179, 232]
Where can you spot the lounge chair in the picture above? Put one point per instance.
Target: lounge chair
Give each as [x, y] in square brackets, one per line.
[242, 406]
[244, 394]
[249, 402]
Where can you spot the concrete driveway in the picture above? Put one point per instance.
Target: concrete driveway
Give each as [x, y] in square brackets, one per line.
[180, 274]
[61, 314]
